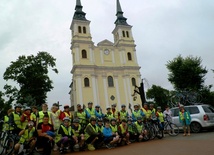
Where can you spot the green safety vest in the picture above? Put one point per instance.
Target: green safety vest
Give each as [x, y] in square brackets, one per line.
[100, 129]
[137, 113]
[114, 128]
[78, 130]
[82, 117]
[6, 125]
[95, 130]
[139, 127]
[123, 130]
[130, 128]
[123, 115]
[109, 116]
[91, 112]
[41, 115]
[160, 116]
[147, 113]
[67, 131]
[17, 120]
[27, 135]
[182, 116]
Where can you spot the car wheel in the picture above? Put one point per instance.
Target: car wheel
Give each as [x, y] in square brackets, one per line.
[195, 127]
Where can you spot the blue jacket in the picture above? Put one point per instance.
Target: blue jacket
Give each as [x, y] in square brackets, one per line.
[107, 132]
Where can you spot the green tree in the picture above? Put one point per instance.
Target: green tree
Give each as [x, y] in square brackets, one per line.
[4, 105]
[31, 73]
[159, 95]
[186, 73]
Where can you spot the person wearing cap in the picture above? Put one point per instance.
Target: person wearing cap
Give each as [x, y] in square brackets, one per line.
[123, 131]
[109, 115]
[82, 115]
[6, 120]
[91, 110]
[25, 118]
[123, 114]
[137, 113]
[98, 112]
[66, 135]
[78, 133]
[141, 132]
[132, 130]
[43, 112]
[160, 117]
[146, 110]
[28, 138]
[46, 135]
[92, 135]
[15, 123]
[114, 110]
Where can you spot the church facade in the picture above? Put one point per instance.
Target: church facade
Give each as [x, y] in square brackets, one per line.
[105, 73]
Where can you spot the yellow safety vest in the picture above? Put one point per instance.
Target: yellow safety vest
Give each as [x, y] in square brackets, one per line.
[139, 127]
[68, 115]
[160, 116]
[123, 130]
[123, 115]
[114, 128]
[41, 115]
[91, 112]
[147, 113]
[17, 120]
[95, 130]
[110, 116]
[67, 131]
[24, 124]
[6, 125]
[76, 132]
[115, 114]
[137, 113]
[27, 135]
[82, 117]
[33, 117]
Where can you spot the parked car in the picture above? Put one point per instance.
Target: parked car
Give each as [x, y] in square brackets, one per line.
[202, 117]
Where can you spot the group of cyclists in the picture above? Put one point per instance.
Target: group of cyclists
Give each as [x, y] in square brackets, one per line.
[87, 128]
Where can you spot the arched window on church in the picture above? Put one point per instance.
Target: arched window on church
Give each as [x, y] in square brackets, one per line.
[84, 29]
[110, 81]
[127, 34]
[129, 55]
[124, 35]
[79, 29]
[84, 54]
[86, 82]
[133, 82]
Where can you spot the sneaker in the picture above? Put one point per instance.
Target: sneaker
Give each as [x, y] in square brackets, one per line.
[91, 147]
[108, 146]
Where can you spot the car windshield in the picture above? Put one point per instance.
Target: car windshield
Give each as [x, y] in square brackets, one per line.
[208, 109]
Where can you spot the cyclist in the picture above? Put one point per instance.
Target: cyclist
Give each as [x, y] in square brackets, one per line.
[28, 138]
[91, 110]
[34, 115]
[146, 110]
[160, 117]
[46, 136]
[141, 132]
[123, 114]
[6, 120]
[25, 118]
[132, 130]
[82, 115]
[66, 135]
[67, 113]
[15, 119]
[137, 113]
[114, 110]
[123, 131]
[98, 112]
[78, 133]
[43, 112]
[185, 119]
[109, 115]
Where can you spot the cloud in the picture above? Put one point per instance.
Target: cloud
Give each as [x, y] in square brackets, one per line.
[162, 30]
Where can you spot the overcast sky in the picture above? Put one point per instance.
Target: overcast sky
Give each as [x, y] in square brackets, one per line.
[162, 30]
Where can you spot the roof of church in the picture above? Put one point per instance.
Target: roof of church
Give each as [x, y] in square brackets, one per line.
[79, 14]
[105, 43]
[121, 20]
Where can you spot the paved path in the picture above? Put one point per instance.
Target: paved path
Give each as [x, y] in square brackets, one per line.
[196, 144]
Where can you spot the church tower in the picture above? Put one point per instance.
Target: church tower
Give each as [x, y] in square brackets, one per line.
[105, 73]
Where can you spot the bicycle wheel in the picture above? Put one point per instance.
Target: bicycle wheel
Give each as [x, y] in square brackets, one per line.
[172, 129]
[8, 146]
[1, 146]
[150, 132]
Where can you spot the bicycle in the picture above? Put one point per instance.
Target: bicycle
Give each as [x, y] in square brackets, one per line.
[170, 128]
[157, 128]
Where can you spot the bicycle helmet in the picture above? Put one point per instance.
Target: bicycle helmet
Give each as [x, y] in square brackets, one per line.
[90, 103]
[97, 106]
[27, 108]
[114, 105]
[18, 105]
[76, 120]
[92, 119]
[159, 107]
[66, 106]
[66, 119]
[113, 119]
[108, 108]
[123, 105]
